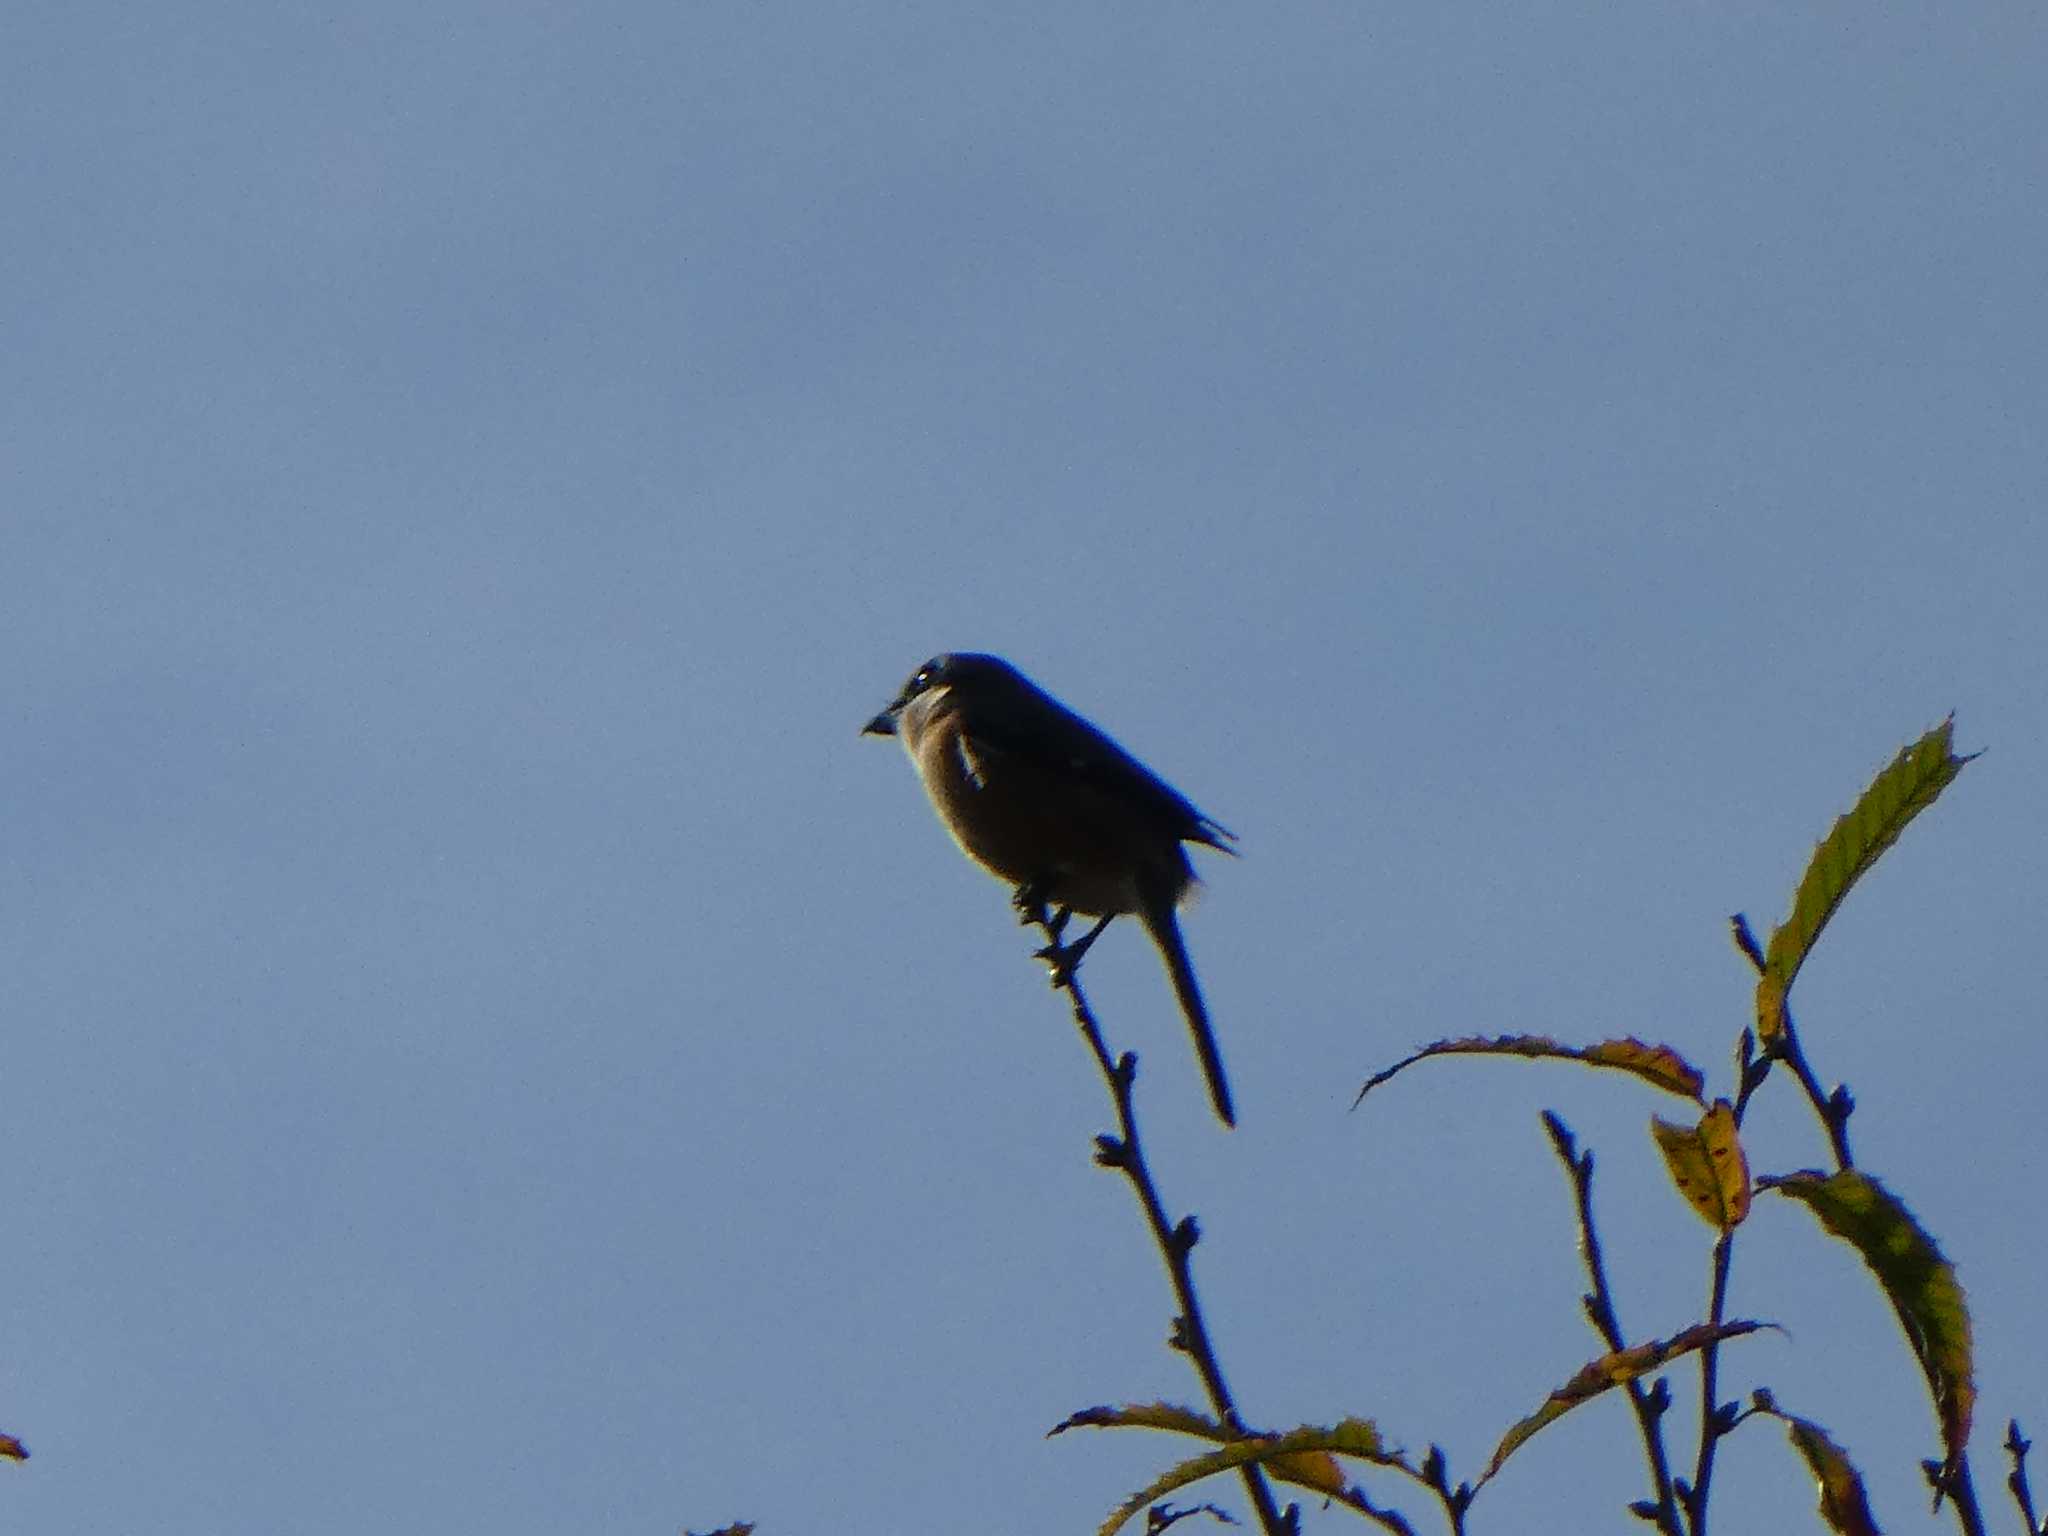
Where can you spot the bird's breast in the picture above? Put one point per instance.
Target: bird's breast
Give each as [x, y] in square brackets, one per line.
[1025, 821]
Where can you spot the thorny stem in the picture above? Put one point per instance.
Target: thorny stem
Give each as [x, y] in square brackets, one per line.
[1649, 1409]
[1176, 1240]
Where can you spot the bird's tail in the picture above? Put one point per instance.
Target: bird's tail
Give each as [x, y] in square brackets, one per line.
[1160, 922]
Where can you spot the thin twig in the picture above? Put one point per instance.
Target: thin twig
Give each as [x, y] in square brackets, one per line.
[1176, 1240]
[1832, 1108]
[1455, 1500]
[1354, 1498]
[1955, 1484]
[1648, 1405]
[1750, 1072]
[2016, 1446]
[1711, 1427]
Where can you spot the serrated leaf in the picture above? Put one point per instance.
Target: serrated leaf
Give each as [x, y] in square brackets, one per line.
[1843, 1503]
[1607, 1372]
[1308, 1450]
[1902, 791]
[1916, 1279]
[1658, 1065]
[1186, 1421]
[1706, 1162]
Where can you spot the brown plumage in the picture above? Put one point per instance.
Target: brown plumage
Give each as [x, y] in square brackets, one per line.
[1042, 799]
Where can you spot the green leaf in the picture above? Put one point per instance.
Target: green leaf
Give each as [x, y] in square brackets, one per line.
[1607, 1372]
[1920, 1284]
[1659, 1065]
[1905, 789]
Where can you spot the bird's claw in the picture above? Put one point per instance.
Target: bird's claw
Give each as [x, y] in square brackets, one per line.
[1060, 960]
[1063, 959]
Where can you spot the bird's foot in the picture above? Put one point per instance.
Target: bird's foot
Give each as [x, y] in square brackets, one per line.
[1062, 959]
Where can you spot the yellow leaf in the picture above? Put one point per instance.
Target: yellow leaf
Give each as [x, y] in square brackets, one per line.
[1173, 1416]
[1843, 1503]
[1770, 1008]
[1303, 1456]
[1590, 1380]
[1308, 1469]
[1707, 1164]
[1659, 1065]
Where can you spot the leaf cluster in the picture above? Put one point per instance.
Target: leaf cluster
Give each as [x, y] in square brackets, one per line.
[1704, 1157]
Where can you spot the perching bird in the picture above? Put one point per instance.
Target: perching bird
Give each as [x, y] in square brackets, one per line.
[1039, 797]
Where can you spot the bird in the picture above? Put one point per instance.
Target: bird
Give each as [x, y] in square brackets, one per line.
[1042, 799]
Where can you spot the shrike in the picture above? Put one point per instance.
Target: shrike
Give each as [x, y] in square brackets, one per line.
[1040, 798]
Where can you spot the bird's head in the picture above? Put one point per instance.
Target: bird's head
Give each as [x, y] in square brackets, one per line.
[962, 672]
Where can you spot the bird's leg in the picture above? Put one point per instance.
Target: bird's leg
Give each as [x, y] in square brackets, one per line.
[1060, 958]
[1081, 945]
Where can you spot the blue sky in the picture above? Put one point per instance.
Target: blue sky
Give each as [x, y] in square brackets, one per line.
[488, 1046]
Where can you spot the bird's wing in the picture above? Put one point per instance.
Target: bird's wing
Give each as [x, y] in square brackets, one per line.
[1052, 740]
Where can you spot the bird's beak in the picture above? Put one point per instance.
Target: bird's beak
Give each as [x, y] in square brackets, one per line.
[883, 724]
